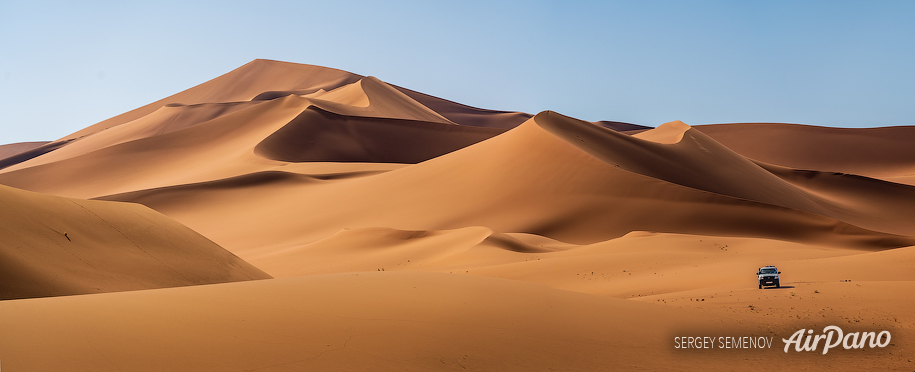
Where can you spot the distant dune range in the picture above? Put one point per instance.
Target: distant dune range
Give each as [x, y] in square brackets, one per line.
[320, 176]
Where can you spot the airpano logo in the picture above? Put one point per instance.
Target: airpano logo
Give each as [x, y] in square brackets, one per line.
[803, 340]
[851, 340]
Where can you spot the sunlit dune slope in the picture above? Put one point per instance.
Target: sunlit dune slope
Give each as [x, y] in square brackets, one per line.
[55, 246]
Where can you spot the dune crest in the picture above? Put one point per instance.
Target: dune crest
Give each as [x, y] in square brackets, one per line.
[667, 133]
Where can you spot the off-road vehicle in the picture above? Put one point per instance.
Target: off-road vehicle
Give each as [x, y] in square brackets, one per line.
[768, 276]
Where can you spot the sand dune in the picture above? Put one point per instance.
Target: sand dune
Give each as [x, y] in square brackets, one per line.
[677, 153]
[409, 232]
[884, 153]
[502, 184]
[54, 246]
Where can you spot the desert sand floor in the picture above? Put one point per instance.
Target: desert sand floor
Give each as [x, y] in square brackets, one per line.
[287, 217]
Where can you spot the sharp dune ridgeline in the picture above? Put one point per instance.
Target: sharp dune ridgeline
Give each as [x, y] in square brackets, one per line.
[341, 222]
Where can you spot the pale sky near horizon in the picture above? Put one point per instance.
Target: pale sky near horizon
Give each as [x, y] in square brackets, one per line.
[65, 66]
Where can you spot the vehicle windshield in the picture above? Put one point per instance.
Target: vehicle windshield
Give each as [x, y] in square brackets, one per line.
[767, 270]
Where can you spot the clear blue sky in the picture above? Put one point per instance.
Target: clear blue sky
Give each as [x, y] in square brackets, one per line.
[64, 66]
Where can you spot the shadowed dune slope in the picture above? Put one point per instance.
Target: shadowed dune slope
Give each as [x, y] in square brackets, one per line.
[885, 153]
[317, 135]
[55, 246]
[621, 126]
[370, 97]
[467, 115]
[16, 148]
[24, 156]
[526, 180]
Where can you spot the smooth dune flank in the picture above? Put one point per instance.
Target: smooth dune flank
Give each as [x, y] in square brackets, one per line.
[55, 246]
[400, 231]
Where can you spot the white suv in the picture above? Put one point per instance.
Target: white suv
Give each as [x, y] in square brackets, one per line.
[768, 275]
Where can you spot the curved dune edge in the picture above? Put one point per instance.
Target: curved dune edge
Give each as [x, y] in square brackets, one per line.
[54, 246]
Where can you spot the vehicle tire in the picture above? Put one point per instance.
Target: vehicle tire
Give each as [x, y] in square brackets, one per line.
[760, 286]
[777, 285]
